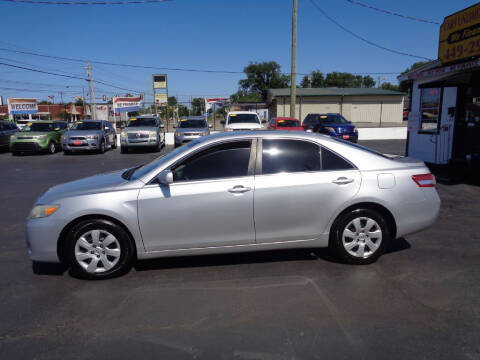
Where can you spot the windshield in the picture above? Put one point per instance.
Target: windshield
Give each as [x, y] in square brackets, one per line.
[288, 123]
[39, 127]
[333, 119]
[192, 123]
[145, 169]
[86, 125]
[149, 122]
[243, 118]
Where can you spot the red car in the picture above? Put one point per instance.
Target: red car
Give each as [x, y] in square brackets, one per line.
[285, 123]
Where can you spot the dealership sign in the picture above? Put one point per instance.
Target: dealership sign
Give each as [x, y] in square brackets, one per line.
[218, 102]
[22, 106]
[460, 35]
[161, 99]
[126, 104]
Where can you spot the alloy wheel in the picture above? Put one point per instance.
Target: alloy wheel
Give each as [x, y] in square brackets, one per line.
[362, 237]
[97, 251]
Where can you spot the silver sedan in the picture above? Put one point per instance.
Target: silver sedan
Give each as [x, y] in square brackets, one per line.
[235, 192]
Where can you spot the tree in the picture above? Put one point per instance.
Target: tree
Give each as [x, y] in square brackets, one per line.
[45, 102]
[172, 100]
[314, 80]
[404, 84]
[197, 106]
[389, 86]
[244, 96]
[368, 82]
[262, 76]
[344, 80]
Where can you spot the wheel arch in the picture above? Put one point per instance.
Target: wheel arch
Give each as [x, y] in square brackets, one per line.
[390, 219]
[63, 234]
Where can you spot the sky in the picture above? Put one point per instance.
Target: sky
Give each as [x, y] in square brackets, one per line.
[208, 34]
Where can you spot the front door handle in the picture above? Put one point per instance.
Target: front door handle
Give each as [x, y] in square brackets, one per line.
[239, 189]
[342, 181]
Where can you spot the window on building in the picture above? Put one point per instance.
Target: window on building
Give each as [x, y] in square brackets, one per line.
[430, 108]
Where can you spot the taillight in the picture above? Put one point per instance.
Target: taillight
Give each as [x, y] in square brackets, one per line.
[424, 180]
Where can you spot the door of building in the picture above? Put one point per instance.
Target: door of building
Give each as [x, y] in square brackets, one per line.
[447, 126]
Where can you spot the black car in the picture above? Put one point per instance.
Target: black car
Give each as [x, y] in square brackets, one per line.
[331, 124]
[7, 129]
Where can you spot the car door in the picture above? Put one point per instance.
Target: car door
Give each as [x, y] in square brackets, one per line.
[298, 187]
[209, 203]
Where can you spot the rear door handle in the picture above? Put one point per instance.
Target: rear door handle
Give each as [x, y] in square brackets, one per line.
[342, 181]
[239, 189]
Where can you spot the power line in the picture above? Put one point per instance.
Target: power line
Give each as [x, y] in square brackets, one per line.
[364, 39]
[68, 76]
[392, 13]
[130, 2]
[162, 68]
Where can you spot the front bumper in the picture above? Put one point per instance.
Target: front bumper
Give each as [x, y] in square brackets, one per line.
[84, 145]
[184, 139]
[27, 146]
[141, 142]
[42, 239]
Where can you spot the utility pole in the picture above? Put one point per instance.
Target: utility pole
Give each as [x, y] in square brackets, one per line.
[293, 74]
[64, 106]
[379, 84]
[92, 91]
[83, 101]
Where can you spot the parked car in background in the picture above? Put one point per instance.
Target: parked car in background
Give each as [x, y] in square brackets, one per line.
[146, 131]
[235, 192]
[285, 123]
[7, 129]
[331, 124]
[38, 136]
[90, 135]
[190, 128]
[242, 120]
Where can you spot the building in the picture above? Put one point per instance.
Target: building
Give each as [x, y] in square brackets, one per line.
[444, 117]
[359, 105]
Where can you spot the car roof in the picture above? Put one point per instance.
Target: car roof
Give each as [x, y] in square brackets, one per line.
[242, 112]
[285, 118]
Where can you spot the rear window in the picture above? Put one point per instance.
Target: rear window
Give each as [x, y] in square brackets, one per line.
[243, 118]
[288, 123]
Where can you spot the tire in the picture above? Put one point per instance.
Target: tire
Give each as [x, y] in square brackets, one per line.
[123, 149]
[359, 236]
[52, 148]
[158, 147]
[101, 150]
[114, 145]
[99, 249]
[164, 142]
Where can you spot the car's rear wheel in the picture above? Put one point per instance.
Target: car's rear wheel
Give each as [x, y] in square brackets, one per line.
[99, 249]
[102, 147]
[360, 236]
[52, 148]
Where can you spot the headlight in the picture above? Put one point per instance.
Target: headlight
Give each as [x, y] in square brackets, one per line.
[41, 211]
[228, 129]
[12, 137]
[309, 130]
[123, 134]
[178, 134]
[355, 129]
[63, 138]
[152, 133]
[40, 137]
[330, 129]
[92, 137]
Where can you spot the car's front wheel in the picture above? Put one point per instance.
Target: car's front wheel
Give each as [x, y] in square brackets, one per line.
[360, 236]
[102, 147]
[99, 249]
[52, 148]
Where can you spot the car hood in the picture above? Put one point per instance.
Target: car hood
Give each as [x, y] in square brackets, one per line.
[189, 130]
[32, 133]
[244, 126]
[83, 132]
[139, 128]
[93, 184]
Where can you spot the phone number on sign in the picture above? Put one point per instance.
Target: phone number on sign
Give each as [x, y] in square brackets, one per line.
[461, 50]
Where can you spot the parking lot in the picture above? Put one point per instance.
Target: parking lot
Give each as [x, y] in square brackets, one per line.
[419, 301]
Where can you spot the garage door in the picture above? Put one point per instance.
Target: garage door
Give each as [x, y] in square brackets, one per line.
[366, 112]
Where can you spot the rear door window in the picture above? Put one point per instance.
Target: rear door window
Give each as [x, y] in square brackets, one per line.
[332, 161]
[290, 156]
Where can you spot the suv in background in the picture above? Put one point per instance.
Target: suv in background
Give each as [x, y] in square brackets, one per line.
[243, 120]
[93, 135]
[7, 129]
[331, 124]
[38, 136]
[146, 131]
[191, 128]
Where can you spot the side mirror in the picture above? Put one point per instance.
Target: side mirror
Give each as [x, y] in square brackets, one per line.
[222, 122]
[162, 126]
[210, 126]
[165, 177]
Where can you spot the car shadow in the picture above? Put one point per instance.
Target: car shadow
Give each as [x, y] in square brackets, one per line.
[39, 268]
[226, 259]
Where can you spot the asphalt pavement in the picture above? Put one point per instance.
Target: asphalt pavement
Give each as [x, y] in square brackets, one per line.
[419, 301]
